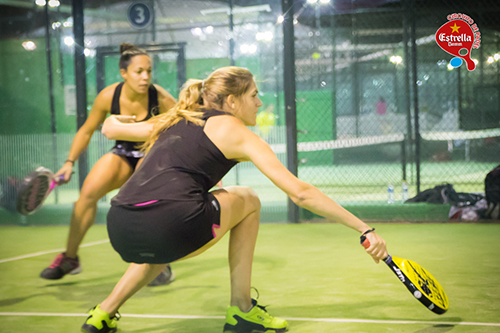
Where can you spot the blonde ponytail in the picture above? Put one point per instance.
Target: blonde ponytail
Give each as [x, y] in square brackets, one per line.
[188, 108]
[201, 94]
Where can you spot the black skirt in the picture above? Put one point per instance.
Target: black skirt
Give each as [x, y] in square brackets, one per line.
[160, 232]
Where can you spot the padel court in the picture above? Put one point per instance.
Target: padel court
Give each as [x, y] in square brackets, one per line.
[377, 110]
[315, 275]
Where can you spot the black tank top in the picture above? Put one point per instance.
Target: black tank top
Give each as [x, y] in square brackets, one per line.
[183, 164]
[128, 146]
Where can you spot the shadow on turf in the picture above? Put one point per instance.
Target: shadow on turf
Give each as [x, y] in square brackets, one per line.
[441, 328]
[13, 301]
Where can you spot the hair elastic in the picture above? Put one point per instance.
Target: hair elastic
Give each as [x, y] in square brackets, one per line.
[368, 231]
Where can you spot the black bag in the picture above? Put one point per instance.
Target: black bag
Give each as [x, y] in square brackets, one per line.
[446, 194]
[492, 190]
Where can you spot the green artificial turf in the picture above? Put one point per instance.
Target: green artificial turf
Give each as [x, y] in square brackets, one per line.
[305, 272]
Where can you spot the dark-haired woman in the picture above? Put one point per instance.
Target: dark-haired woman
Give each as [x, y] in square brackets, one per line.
[190, 148]
[137, 97]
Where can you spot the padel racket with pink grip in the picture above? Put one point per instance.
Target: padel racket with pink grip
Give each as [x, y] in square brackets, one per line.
[35, 189]
[421, 284]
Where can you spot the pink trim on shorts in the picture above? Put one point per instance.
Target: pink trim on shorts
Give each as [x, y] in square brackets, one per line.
[146, 203]
[215, 226]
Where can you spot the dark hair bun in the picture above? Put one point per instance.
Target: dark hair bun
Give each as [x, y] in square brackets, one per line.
[125, 46]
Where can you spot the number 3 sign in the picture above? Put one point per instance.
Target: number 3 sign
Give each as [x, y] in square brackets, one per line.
[139, 15]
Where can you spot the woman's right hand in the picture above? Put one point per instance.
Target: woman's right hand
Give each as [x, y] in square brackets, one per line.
[375, 246]
[64, 174]
[114, 121]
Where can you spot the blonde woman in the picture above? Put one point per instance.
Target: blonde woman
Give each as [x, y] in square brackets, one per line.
[166, 211]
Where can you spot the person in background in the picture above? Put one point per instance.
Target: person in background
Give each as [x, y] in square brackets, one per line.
[135, 97]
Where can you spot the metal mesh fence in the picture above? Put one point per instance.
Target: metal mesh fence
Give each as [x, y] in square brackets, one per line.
[366, 71]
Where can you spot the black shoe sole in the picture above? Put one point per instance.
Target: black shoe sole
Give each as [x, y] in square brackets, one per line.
[239, 328]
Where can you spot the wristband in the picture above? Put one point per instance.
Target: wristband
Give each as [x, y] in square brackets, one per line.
[70, 161]
[367, 232]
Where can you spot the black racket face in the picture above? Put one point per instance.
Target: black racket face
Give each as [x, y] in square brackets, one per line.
[34, 190]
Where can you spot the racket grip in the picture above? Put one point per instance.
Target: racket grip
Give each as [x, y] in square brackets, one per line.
[364, 242]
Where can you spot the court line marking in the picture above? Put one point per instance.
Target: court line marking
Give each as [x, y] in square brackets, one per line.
[36, 254]
[333, 320]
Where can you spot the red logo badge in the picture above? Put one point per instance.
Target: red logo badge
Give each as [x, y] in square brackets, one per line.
[458, 37]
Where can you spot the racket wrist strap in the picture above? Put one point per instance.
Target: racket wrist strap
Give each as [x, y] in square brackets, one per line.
[368, 231]
[70, 161]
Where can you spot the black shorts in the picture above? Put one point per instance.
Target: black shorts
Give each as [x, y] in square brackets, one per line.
[160, 232]
[132, 156]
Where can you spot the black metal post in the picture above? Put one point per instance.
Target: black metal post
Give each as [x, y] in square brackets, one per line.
[459, 95]
[153, 21]
[334, 81]
[355, 83]
[413, 36]
[51, 93]
[81, 82]
[277, 77]
[290, 105]
[406, 62]
[403, 157]
[231, 30]
[232, 63]
[181, 67]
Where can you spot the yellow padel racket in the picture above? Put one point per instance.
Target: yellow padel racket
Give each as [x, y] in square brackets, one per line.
[421, 284]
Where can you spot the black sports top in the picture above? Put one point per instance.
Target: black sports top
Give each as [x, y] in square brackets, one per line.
[183, 165]
[129, 148]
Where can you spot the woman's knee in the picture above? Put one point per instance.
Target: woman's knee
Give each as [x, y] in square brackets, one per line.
[253, 198]
[248, 195]
[88, 197]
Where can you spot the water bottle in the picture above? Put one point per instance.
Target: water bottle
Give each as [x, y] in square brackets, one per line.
[404, 192]
[390, 194]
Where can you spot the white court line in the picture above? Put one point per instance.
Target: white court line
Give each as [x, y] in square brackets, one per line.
[331, 320]
[51, 251]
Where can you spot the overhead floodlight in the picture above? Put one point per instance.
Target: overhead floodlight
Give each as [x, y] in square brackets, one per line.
[209, 30]
[496, 56]
[490, 60]
[324, 1]
[264, 36]
[197, 31]
[312, 1]
[89, 53]
[237, 10]
[40, 2]
[54, 3]
[396, 60]
[281, 18]
[475, 61]
[248, 48]
[29, 45]
[68, 40]
[252, 48]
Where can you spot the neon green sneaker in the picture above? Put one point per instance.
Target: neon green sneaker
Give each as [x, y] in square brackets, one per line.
[257, 320]
[98, 321]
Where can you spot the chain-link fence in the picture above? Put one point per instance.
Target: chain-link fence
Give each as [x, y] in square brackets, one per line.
[379, 107]
[364, 70]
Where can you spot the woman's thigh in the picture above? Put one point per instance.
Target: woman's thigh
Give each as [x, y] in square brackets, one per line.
[236, 203]
[110, 172]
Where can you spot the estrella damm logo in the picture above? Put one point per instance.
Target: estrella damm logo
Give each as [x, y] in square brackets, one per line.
[458, 37]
